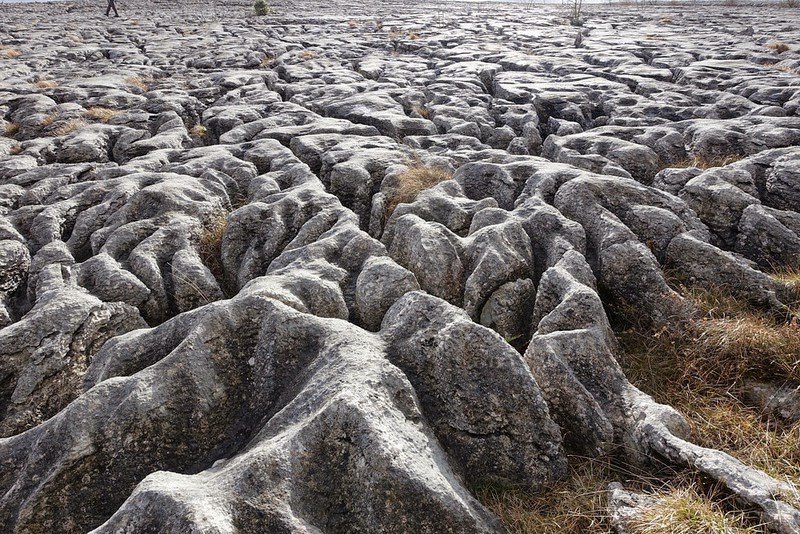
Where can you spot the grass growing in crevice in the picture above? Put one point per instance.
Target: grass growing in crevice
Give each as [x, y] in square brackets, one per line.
[68, 127]
[210, 246]
[579, 503]
[101, 114]
[11, 129]
[704, 162]
[701, 368]
[779, 47]
[415, 179]
[575, 504]
[686, 510]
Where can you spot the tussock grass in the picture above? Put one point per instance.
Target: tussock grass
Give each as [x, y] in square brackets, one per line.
[700, 367]
[779, 47]
[415, 179]
[576, 504]
[47, 121]
[138, 82]
[68, 127]
[16, 149]
[306, 55]
[703, 162]
[10, 53]
[790, 276]
[101, 114]
[423, 112]
[11, 129]
[46, 84]
[198, 131]
[687, 511]
[210, 246]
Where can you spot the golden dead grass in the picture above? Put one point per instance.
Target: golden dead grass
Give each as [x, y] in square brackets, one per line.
[210, 246]
[778, 48]
[9, 53]
[101, 114]
[579, 504]
[16, 149]
[423, 112]
[416, 178]
[687, 511]
[305, 55]
[68, 127]
[576, 504]
[138, 82]
[704, 163]
[700, 368]
[48, 120]
[198, 131]
[11, 129]
[46, 84]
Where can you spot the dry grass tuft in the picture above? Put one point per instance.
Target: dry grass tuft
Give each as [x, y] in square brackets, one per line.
[46, 84]
[704, 163]
[305, 55]
[211, 244]
[101, 114]
[701, 366]
[198, 131]
[416, 178]
[77, 39]
[789, 276]
[10, 53]
[68, 127]
[138, 82]
[16, 149]
[47, 121]
[11, 129]
[778, 48]
[413, 35]
[423, 112]
[686, 511]
[576, 504]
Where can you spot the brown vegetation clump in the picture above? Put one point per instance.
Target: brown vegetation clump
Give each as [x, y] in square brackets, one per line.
[211, 244]
[576, 504]
[138, 82]
[305, 55]
[198, 131]
[701, 367]
[45, 84]
[778, 48]
[101, 114]
[412, 181]
[686, 511]
[579, 504]
[47, 121]
[68, 127]
[423, 112]
[16, 149]
[705, 162]
[10, 53]
[11, 129]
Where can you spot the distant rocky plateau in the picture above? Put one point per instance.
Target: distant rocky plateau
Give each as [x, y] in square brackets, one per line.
[223, 310]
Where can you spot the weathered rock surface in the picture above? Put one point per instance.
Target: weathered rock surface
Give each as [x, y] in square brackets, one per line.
[215, 316]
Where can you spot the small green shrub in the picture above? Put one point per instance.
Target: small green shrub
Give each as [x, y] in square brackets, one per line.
[262, 8]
